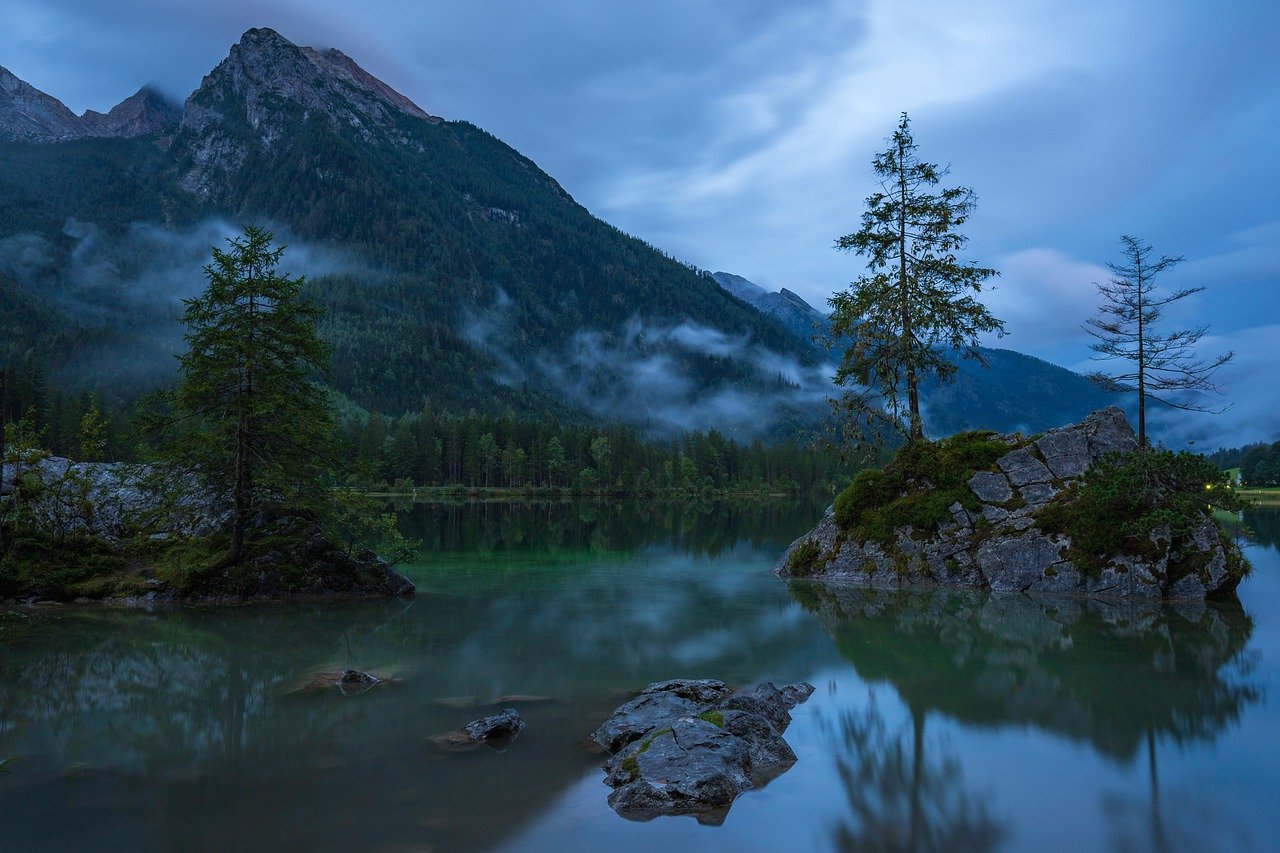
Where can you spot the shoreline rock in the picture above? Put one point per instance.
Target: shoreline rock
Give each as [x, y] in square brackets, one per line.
[998, 545]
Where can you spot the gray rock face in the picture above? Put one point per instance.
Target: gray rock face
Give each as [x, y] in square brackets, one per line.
[263, 71]
[998, 546]
[690, 747]
[109, 499]
[29, 115]
[1022, 467]
[991, 488]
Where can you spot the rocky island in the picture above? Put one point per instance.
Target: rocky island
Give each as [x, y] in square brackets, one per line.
[1076, 510]
[130, 534]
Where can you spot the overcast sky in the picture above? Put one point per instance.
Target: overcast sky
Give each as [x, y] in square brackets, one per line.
[738, 135]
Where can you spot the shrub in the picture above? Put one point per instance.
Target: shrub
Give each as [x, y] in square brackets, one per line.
[1116, 505]
[918, 487]
[805, 558]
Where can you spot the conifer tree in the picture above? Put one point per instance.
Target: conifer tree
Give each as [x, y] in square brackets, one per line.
[253, 419]
[1125, 330]
[917, 298]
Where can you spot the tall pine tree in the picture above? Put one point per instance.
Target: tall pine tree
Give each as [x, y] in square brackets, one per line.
[253, 419]
[917, 298]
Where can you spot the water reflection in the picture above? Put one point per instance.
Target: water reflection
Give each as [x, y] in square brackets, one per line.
[694, 527]
[905, 792]
[1107, 673]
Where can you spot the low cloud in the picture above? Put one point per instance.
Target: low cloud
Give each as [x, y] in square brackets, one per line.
[129, 286]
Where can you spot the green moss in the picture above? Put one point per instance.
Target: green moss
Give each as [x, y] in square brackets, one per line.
[919, 487]
[715, 718]
[632, 766]
[648, 741]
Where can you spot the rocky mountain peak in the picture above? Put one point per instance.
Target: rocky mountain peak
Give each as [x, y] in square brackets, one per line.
[255, 97]
[30, 115]
[145, 111]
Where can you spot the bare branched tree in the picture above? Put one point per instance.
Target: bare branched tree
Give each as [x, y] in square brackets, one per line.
[1164, 366]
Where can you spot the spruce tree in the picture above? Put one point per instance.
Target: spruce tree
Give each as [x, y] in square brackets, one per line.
[917, 298]
[253, 419]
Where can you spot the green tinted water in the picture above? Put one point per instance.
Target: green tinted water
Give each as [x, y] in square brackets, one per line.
[941, 721]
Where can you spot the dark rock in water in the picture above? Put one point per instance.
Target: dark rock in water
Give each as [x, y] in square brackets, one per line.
[349, 682]
[354, 681]
[1000, 546]
[690, 747]
[496, 732]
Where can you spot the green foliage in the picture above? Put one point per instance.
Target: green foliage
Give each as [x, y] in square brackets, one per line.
[918, 296]
[60, 568]
[93, 434]
[434, 450]
[805, 558]
[918, 487]
[1116, 505]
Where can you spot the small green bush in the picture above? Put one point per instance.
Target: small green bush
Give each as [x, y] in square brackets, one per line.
[805, 558]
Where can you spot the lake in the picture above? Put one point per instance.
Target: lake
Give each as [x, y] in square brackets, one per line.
[941, 721]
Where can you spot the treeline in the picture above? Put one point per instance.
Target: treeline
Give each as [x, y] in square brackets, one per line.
[483, 451]
[471, 451]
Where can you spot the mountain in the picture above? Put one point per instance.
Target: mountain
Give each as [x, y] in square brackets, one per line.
[29, 115]
[797, 316]
[1012, 392]
[458, 275]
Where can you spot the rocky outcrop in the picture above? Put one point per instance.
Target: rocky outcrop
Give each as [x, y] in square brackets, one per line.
[996, 543]
[29, 115]
[119, 505]
[691, 746]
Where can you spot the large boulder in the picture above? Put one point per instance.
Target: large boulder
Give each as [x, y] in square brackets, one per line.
[691, 746]
[996, 543]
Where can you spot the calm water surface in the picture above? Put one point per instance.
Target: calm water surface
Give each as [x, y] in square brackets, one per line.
[941, 721]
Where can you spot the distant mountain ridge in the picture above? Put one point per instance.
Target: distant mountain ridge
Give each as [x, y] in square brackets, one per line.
[456, 274]
[29, 115]
[1014, 392]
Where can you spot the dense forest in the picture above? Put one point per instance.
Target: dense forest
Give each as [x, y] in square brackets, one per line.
[474, 450]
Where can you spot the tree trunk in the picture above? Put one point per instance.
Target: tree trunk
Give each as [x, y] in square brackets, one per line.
[1142, 362]
[904, 296]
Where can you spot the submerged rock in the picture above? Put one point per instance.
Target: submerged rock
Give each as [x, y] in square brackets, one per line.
[496, 732]
[690, 747]
[992, 540]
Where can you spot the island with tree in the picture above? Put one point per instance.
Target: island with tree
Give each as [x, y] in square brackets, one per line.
[243, 491]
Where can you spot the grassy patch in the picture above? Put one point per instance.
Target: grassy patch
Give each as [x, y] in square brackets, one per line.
[715, 718]
[918, 487]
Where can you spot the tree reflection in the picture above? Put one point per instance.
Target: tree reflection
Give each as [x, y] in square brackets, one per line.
[695, 527]
[902, 798]
[1104, 672]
